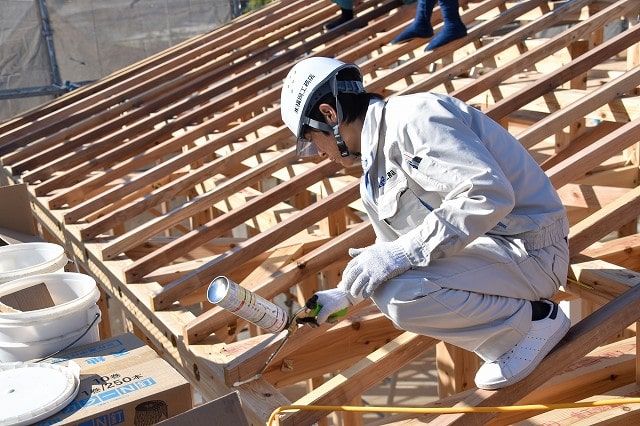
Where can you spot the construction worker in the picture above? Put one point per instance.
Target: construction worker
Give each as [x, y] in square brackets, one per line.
[471, 236]
[346, 14]
[452, 29]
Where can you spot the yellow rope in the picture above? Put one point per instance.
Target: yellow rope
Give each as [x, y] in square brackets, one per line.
[576, 282]
[454, 410]
[451, 410]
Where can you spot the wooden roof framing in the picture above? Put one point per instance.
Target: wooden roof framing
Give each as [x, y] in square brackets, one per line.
[177, 169]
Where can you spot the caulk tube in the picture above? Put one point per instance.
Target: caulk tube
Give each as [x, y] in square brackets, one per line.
[247, 304]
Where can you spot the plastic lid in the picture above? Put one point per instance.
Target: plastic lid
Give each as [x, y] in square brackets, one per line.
[31, 392]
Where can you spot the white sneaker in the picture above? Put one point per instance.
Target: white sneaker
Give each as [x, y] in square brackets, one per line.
[519, 361]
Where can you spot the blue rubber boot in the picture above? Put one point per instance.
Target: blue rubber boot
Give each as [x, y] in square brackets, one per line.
[345, 16]
[421, 25]
[453, 28]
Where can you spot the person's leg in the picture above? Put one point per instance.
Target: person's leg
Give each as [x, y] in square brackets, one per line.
[486, 324]
[453, 27]
[346, 14]
[502, 267]
[421, 25]
[486, 300]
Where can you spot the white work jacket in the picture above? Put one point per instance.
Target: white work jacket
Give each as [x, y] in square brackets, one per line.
[438, 173]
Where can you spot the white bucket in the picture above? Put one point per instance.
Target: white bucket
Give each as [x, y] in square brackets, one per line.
[35, 334]
[24, 259]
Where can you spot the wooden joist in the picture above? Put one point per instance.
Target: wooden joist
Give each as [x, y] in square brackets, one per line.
[178, 168]
[587, 335]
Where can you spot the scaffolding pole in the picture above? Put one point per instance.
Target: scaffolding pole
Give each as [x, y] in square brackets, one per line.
[47, 33]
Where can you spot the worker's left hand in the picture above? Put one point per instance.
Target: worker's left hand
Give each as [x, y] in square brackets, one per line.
[372, 266]
[332, 301]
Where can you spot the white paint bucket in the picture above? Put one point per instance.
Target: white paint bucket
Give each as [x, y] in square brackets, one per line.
[34, 334]
[24, 259]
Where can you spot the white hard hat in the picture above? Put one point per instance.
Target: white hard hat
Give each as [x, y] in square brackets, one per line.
[307, 82]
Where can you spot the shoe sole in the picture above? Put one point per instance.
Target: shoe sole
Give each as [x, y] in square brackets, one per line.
[548, 346]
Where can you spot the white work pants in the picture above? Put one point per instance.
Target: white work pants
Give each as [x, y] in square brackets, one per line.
[478, 299]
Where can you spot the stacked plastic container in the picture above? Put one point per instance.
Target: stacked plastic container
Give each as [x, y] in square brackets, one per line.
[71, 312]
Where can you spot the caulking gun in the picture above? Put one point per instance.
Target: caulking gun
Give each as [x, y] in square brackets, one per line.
[265, 314]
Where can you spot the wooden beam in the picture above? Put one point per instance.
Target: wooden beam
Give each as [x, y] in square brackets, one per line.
[530, 58]
[604, 221]
[150, 228]
[589, 137]
[589, 197]
[582, 338]
[523, 61]
[621, 251]
[342, 345]
[456, 369]
[155, 173]
[421, 63]
[137, 135]
[603, 369]
[616, 414]
[590, 157]
[253, 246]
[549, 81]
[555, 122]
[307, 265]
[602, 280]
[177, 70]
[226, 222]
[361, 376]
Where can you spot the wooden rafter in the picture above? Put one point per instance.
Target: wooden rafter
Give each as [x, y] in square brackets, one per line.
[178, 168]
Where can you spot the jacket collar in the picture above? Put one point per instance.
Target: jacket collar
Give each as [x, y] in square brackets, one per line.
[370, 135]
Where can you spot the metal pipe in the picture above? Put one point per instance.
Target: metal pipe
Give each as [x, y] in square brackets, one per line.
[47, 33]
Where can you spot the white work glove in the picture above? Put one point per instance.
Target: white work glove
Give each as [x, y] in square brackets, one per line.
[332, 301]
[371, 266]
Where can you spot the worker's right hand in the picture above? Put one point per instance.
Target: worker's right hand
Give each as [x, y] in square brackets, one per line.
[332, 301]
[373, 265]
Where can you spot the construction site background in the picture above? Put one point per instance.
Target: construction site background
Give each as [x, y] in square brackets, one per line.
[48, 47]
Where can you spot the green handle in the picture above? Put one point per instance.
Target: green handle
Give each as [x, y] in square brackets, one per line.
[334, 315]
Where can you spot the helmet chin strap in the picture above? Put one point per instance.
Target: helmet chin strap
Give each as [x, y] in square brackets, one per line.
[342, 146]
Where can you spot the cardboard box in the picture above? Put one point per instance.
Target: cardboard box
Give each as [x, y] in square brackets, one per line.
[122, 382]
[16, 218]
[103, 354]
[223, 411]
